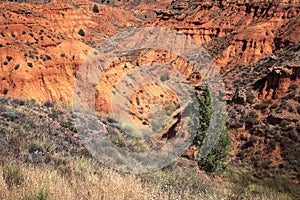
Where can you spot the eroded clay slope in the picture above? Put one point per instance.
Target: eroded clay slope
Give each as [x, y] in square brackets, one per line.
[235, 32]
[41, 48]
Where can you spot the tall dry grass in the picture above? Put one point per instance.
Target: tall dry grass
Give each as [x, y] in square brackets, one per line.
[85, 179]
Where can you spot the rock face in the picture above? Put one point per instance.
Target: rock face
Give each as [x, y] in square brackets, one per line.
[278, 81]
[265, 128]
[235, 32]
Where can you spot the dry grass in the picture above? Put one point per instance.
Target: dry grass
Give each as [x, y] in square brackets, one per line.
[88, 180]
[83, 183]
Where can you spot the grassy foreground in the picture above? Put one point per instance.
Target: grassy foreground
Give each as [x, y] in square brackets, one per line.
[85, 179]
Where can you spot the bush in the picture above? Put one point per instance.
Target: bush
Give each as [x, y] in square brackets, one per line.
[42, 194]
[81, 32]
[298, 109]
[5, 91]
[9, 58]
[253, 114]
[17, 66]
[293, 87]
[96, 9]
[164, 78]
[273, 106]
[29, 64]
[13, 176]
[250, 98]
[289, 96]
[261, 106]
[49, 104]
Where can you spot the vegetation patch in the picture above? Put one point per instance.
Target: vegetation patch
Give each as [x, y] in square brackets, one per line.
[215, 161]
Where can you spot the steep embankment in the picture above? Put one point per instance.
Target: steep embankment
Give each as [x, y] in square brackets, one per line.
[264, 113]
[235, 32]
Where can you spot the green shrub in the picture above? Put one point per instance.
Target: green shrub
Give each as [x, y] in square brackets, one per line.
[293, 87]
[17, 66]
[164, 78]
[81, 32]
[5, 91]
[289, 96]
[298, 109]
[250, 98]
[9, 58]
[42, 194]
[29, 64]
[95, 9]
[13, 175]
[261, 106]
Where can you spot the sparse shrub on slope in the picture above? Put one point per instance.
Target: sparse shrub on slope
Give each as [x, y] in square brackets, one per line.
[81, 32]
[41, 194]
[5, 91]
[95, 9]
[13, 175]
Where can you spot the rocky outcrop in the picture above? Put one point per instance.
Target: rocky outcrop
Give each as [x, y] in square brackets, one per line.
[278, 81]
[264, 112]
[235, 32]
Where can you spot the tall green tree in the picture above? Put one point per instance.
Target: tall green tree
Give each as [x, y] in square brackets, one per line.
[215, 160]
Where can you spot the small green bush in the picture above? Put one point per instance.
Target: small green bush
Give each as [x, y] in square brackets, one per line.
[164, 78]
[293, 87]
[81, 32]
[95, 9]
[42, 194]
[9, 58]
[13, 175]
[250, 98]
[261, 106]
[298, 129]
[17, 66]
[298, 109]
[5, 91]
[29, 64]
